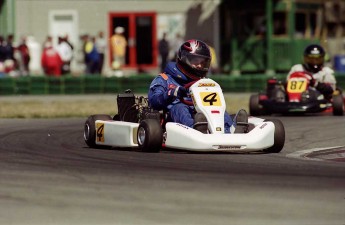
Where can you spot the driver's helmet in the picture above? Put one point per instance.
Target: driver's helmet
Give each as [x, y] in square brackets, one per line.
[194, 59]
[314, 56]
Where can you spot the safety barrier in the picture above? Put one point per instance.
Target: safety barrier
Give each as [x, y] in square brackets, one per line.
[40, 85]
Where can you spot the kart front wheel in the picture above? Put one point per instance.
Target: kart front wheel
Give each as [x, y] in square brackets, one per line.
[150, 135]
[90, 129]
[279, 137]
[338, 105]
[255, 108]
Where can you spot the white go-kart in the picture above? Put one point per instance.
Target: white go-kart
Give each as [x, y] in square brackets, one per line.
[138, 126]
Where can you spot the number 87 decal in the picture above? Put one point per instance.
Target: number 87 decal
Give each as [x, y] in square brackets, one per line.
[210, 99]
[297, 85]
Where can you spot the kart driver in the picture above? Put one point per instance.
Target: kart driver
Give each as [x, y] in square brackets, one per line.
[168, 88]
[322, 77]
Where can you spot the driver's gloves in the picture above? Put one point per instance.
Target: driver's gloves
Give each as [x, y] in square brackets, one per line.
[324, 88]
[177, 92]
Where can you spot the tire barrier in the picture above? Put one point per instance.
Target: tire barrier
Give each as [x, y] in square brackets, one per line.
[40, 85]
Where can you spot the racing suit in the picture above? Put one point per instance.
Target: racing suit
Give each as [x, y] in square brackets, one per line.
[324, 79]
[161, 97]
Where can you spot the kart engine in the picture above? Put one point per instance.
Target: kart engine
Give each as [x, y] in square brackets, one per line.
[134, 109]
[126, 107]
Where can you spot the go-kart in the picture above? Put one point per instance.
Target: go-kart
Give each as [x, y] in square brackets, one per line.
[295, 96]
[136, 125]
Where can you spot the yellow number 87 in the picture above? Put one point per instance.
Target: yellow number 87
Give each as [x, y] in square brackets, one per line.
[297, 86]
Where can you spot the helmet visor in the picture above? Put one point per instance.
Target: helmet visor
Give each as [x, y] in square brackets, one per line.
[201, 63]
[313, 60]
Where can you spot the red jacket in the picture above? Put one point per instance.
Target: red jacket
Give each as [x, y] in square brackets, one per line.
[51, 61]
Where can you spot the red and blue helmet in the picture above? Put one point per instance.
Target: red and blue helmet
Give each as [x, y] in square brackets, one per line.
[194, 59]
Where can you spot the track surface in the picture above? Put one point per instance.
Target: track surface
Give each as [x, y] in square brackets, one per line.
[49, 176]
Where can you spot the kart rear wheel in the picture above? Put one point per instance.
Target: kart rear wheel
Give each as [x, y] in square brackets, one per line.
[255, 109]
[279, 137]
[338, 105]
[150, 135]
[90, 130]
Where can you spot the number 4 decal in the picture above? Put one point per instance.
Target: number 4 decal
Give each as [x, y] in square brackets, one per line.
[100, 132]
[210, 99]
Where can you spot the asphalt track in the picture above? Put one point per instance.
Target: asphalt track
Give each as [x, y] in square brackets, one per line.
[49, 176]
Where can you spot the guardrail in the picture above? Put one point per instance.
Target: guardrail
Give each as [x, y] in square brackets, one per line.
[40, 85]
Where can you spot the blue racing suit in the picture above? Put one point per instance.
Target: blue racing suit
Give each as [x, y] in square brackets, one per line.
[161, 98]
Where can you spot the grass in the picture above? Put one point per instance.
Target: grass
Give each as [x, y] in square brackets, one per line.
[69, 106]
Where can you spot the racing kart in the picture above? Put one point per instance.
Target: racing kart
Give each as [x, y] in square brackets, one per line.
[136, 125]
[296, 96]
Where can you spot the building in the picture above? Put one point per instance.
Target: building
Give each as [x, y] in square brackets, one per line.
[144, 22]
[248, 36]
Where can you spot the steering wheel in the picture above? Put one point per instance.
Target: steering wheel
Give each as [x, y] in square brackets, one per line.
[187, 86]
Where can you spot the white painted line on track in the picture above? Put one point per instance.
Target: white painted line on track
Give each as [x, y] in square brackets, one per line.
[305, 154]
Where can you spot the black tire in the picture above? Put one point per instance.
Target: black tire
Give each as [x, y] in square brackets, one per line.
[255, 109]
[338, 105]
[279, 137]
[90, 130]
[150, 135]
[116, 117]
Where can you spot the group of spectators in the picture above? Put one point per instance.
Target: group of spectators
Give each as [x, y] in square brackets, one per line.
[94, 48]
[55, 60]
[14, 58]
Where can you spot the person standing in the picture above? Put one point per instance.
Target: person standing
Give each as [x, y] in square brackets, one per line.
[175, 45]
[24, 57]
[101, 46]
[9, 62]
[66, 54]
[118, 45]
[92, 56]
[163, 47]
[51, 61]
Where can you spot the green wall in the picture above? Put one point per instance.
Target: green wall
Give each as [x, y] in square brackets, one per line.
[34, 85]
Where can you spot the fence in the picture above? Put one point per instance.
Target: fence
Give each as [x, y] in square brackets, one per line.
[39, 85]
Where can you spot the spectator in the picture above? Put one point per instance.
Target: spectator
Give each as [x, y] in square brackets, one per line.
[49, 39]
[7, 50]
[24, 57]
[118, 45]
[2, 49]
[2, 57]
[84, 40]
[92, 56]
[66, 54]
[66, 39]
[163, 47]
[214, 62]
[175, 45]
[101, 46]
[51, 60]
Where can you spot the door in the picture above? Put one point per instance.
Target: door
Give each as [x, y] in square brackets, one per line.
[140, 32]
[62, 23]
